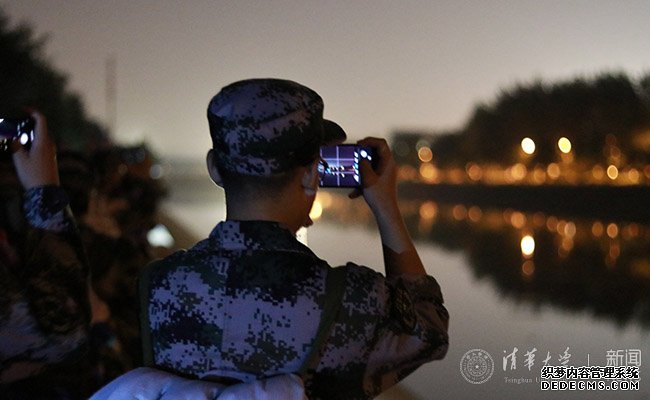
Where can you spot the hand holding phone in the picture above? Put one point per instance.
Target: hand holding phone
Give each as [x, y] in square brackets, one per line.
[36, 163]
[19, 130]
[339, 165]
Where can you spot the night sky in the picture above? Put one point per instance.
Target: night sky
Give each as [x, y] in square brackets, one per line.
[379, 65]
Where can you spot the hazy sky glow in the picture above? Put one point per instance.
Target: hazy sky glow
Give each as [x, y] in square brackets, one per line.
[379, 65]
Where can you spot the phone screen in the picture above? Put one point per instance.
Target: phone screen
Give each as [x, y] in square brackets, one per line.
[339, 166]
[21, 129]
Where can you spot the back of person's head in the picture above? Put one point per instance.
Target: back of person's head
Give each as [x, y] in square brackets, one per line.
[262, 130]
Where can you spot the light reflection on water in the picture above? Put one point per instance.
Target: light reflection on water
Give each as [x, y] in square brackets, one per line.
[509, 280]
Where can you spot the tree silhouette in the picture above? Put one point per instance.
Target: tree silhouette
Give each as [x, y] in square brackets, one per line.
[587, 111]
[27, 79]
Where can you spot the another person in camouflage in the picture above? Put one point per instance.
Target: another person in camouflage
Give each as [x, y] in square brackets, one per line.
[245, 303]
[44, 311]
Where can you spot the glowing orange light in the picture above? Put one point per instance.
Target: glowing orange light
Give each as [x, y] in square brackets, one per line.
[570, 230]
[428, 210]
[598, 172]
[518, 220]
[597, 229]
[459, 212]
[631, 231]
[425, 154]
[539, 175]
[428, 172]
[518, 171]
[633, 175]
[475, 214]
[474, 172]
[612, 172]
[612, 230]
[553, 171]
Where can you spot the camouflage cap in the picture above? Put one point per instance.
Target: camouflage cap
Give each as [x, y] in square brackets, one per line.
[264, 127]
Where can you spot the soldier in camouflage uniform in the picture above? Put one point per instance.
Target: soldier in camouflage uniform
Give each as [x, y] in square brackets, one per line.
[44, 311]
[246, 302]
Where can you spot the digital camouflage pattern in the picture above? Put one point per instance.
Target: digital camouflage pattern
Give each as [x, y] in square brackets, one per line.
[246, 303]
[44, 312]
[264, 127]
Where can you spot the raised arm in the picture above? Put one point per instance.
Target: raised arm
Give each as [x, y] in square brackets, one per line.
[380, 192]
[45, 311]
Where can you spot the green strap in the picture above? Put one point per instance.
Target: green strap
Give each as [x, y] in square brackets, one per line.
[334, 288]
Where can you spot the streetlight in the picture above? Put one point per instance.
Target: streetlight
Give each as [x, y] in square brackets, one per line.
[528, 145]
[564, 145]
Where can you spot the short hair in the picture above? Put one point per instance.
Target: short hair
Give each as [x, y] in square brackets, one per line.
[252, 185]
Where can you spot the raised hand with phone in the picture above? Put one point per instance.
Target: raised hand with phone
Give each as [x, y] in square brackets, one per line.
[35, 157]
[43, 297]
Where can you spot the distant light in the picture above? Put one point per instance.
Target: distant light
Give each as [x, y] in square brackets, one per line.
[598, 172]
[527, 246]
[474, 171]
[459, 212]
[564, 145]
[612, 230]
[517, 220]
[633, 175]
[474, 214]
[553, 171]
[570, 230]
[425, 154]
[612, 172]
[597, 229]
[518, 171]
[159, 236]
[528, 145]
[428, 210]
[1, 120]
[539, 175]
[528, 268]
[428, 172]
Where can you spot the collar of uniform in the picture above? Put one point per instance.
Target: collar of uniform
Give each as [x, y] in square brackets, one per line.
[255, 235]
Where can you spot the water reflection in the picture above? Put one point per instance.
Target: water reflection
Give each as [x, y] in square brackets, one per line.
[602, 267]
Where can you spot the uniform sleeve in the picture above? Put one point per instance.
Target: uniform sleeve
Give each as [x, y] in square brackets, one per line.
[45, 314]
[413, 331]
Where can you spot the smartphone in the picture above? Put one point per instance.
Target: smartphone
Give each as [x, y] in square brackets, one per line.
[20, 129]
[339, 166]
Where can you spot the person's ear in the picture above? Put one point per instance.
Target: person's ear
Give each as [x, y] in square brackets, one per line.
[213, 170]
[309, 180]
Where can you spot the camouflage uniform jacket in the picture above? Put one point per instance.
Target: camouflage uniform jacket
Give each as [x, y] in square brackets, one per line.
[44, 312]
[246, 303]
